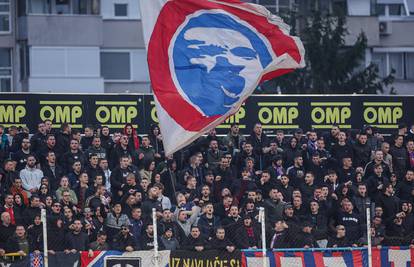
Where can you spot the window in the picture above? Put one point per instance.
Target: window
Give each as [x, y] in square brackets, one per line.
[121, 10]
[116, 66]
[380, 59]
[5, 16]
[275, 6]
[5, 70]
[410, 66]
[396, 10]
[397, 63]
[380, 10]
[401, 62]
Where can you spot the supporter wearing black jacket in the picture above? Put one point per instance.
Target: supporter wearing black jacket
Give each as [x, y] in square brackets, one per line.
[342, 149]
[32, 211]
[147, 239]
[351, 220]
[124, 241]
[404, 189]
[376, 182]
[52, 171]
[399, 156]
[362, 151]
[120, 150]
[195, 241]
[49, 146]
[347, 172]
[221, 242]
[21, 155]
[38, 140]
[7, 175]
[388, 202]
[74, 154]
[6, 229]
[340, 239]
[280, 237]
[76, 239]
[305, 239]
[93, 169]
[247, 236]
[284, 188]
[118, 176]
[63, 139]
[378, 160]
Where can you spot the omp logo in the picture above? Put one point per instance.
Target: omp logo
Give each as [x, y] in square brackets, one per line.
[326, 114]
[384, 115]
[12, 112]
[278, 115]
[62, 112]
[122, 261]
[115, 114]
[236, 118]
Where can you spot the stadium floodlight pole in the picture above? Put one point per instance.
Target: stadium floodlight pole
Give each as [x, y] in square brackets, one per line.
[45, 256]
[262, 222]
[369, 237]
[154, 223]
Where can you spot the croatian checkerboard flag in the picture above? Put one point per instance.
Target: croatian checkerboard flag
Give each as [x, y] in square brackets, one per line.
[207, 56]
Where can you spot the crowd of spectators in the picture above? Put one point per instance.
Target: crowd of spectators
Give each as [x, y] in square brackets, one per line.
[99, 189]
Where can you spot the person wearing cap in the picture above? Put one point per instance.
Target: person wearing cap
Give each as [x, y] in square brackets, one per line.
[339, 239]
[169, 241]
[248, 236]
[305, 239]
[124, 241]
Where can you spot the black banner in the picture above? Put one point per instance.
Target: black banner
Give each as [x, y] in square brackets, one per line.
[273, 112]
[180, 258]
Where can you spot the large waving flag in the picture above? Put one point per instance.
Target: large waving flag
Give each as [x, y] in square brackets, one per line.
[207, 56]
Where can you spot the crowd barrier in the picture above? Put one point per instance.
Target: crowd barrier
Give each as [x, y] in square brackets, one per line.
[274, 112]
[338, 257]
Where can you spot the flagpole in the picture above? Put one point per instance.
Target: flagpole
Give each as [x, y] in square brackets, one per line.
[262, 222]
[155, 234]
[369, 237]
[45, 254]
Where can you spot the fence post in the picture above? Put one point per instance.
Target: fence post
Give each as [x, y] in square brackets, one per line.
[45, 254]
[369, 237]
[263, 224]
[154, 223]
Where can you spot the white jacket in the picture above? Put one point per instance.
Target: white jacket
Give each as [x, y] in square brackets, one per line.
[31, 178]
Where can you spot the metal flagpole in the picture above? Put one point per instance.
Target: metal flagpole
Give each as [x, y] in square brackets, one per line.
[45, 255]
[369, 237]
[262, 222]
[154, 223]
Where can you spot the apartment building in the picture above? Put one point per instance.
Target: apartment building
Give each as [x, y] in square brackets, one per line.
[97, 46]
[88, 46]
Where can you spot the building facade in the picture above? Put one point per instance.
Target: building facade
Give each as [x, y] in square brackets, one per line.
[97, 46]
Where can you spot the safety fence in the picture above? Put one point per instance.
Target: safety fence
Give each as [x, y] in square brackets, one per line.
[335, 257]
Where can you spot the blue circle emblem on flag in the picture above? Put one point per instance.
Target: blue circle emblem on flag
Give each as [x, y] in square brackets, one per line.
[216, 57]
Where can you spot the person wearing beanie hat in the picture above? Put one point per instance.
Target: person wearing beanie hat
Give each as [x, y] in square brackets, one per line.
[169, 241]
[248, 236]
